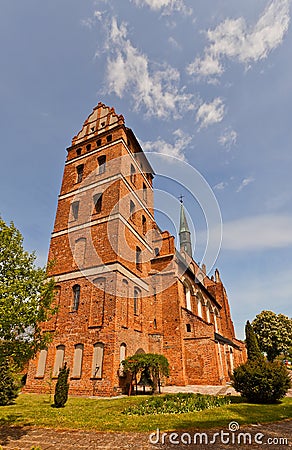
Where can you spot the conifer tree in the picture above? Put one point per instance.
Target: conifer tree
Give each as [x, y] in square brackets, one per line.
[62, 387]
[252, 346]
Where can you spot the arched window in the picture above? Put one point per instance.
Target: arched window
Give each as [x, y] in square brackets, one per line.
[125, 302]
[144, 192]
[77, 364]
[123, 350]
[42, 363]
[199, 304]
[216, 319]
[133, 174]
[132, 210]
[138, 258]
[144, 223]
[60, 352]
[137, 295]
[97, 361]
[75, 209]
[76, 297]
[101, 160]
[187, 292]
[208, 311]
[79, 251]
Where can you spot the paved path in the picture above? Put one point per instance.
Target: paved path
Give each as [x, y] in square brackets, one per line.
[23, 438]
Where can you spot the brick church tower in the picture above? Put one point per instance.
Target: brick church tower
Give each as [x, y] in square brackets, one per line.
[121, 285]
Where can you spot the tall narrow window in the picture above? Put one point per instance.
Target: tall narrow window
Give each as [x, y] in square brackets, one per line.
[42, 363]
[208, 309]
[138, 258]
[144, 192]
[97, 200]
[199, 305]
[80, 170]
[101, 164]
[76, 297]
[136, 301]
[187, 292]
[144, 227]
[123, 349]
[97, 362]
[75, 210]
[77, 363]
[132, 211]
[133, 174]
[60, 351]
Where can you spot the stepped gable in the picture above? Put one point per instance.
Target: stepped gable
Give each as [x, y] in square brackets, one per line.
[102, 119]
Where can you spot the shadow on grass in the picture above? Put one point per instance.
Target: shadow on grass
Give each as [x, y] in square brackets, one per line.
[9, 431]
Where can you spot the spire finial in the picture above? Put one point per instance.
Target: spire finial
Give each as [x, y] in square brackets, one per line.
[181, 198]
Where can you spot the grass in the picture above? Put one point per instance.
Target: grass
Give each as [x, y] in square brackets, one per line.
[106, 414]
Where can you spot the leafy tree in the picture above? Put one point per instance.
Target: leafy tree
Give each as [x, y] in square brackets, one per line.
[261, 381]
[274, 333]
[8, 384]
[26, 298]
[62, 388]
[152, 364]
[252, 346]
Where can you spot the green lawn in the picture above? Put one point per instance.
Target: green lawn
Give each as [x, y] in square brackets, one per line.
[106, 415]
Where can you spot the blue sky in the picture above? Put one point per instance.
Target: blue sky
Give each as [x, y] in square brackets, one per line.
[207, 82]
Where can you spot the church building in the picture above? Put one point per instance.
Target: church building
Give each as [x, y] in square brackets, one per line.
[122, 286]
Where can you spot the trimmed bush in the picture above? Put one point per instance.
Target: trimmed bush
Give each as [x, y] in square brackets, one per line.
[62, 388]
[177, 404]
[261, 381]
[8, 385]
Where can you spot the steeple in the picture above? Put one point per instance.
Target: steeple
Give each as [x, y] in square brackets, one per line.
[184, 232]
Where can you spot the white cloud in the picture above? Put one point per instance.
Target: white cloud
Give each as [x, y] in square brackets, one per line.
[220, 186]
[245, 182]
[233, 39]
[168, 6]
[181, 141]
[210, 113]
[174, 43]
[228, 138]
[129, 72]
[258, 233]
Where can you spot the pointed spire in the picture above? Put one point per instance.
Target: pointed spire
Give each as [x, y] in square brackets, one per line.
[184, 232]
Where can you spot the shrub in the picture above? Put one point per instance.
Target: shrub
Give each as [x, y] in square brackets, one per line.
[176, 404]
[62, 388]
[8, 385]
[261, 381]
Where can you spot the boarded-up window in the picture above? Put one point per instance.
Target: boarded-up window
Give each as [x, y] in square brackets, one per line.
[75, 210]
[79, 252]
[60, 352]
[97, 362]
[77, 364]
[137, 295]
[42, 363]
[124, 302]
[97, 302]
